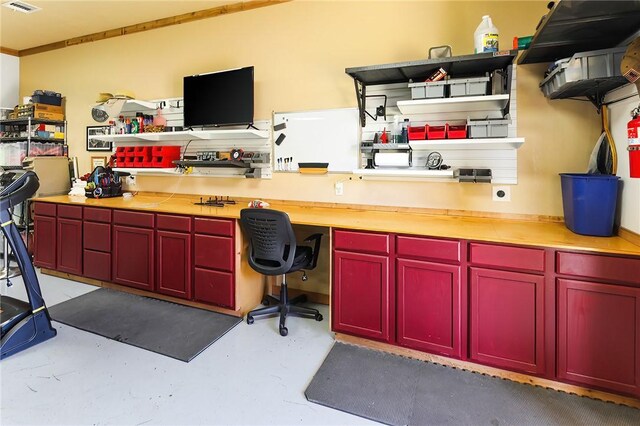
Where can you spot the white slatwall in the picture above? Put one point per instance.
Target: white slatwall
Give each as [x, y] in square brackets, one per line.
[173, 112]
[502, 162]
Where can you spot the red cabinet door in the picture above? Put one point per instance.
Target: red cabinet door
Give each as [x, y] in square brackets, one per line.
[215, 287]
[428, 306]
[97, 265]
[69, 242]
[133, 257]
[362, 299]
[599, 335]
[173, 263]
[507, 320]
[44, 241]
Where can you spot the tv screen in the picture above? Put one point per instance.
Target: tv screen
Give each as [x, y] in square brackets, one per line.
[219, 98]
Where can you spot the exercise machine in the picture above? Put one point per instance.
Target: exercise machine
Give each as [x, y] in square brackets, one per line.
[24, 324]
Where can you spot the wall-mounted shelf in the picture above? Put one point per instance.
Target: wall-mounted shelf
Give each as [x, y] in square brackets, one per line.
[488, 103]
[466, 144]
[33, 139]
[405, 173]
[135, 105]
[582, 25]
[147, 171]
[230, 134]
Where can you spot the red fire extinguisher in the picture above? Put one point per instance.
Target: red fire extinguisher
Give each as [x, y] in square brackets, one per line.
[633, 135]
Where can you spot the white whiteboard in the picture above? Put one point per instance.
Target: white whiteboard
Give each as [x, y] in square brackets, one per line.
[323, 136]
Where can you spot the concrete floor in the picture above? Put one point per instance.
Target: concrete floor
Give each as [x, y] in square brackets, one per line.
[251, 376]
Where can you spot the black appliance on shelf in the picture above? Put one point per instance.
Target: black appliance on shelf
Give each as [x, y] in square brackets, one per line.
[221, 98]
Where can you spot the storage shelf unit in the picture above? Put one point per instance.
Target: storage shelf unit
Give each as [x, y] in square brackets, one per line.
[188, 135]
[469, 103]
[410, 173]
[489, 143]
[29, 122]
[574, 26]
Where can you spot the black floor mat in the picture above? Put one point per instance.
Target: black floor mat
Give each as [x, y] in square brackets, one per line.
[400, 391]
[177, 331]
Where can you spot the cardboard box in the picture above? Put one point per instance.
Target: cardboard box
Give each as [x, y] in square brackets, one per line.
[57, 109]
[49, 115]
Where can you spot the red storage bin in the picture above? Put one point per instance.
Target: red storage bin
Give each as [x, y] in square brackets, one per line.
[456, 131]
[142, 156]
[120, 156]
[163, 156]
[417, 133]
[436, 132]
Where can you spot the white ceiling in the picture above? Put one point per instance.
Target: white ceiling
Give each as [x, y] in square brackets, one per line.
[63, 19]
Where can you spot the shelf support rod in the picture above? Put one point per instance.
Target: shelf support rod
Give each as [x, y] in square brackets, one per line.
[362, 99]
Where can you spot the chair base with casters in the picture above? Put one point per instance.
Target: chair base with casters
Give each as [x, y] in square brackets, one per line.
[285, 306]
[273, 251]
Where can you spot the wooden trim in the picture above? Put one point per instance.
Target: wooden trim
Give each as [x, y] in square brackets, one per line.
[8, 51]
[131, 290]
[489, 371]
[630, 236]
[152, 25]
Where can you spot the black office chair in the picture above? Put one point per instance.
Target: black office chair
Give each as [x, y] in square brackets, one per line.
[273, 251]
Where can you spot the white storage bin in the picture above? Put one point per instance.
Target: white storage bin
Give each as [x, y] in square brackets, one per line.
[476, 86]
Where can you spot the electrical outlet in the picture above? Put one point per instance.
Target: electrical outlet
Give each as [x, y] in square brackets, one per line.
[131, 180]
[339, 188]
[501, 193]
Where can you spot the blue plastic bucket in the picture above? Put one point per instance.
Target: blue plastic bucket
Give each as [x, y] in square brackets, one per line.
[589, 203]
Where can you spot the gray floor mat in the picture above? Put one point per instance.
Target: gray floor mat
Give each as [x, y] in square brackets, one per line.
[177, 331]
[399, 391]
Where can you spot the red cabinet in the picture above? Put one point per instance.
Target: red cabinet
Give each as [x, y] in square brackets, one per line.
[428, 300]
[133, 257]
[44, 241]
[173, 263]
[214, 261]
[599, 335]
[97, 243]
[507, 319]
[69, 245]
[362, 297]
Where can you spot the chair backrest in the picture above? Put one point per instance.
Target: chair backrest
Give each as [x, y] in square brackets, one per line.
[272, 242]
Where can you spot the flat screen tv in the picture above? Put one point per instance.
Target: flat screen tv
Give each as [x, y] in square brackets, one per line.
[221, 98]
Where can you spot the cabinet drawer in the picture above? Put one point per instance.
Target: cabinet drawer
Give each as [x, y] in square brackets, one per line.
[97, 236]
[214, 252]
[173, 223]
[45, 209]
[223, 227]
[70, 212]
[530, 259]
[361, 242]
[138, 219]
[214, 287]
[93, 214]
[609, 268]
[97, 265]
[428, 248]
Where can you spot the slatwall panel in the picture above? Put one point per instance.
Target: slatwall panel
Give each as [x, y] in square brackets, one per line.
[173, 112]
[502, 162]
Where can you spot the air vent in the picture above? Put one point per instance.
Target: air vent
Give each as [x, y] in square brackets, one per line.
[21, 6]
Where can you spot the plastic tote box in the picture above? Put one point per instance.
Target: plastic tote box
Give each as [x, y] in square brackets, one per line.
[589, 203]
[497, 128]
[428, 90]
[468, 86]
[603, 63]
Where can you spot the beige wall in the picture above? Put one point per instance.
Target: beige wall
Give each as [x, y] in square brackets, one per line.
[300, 51]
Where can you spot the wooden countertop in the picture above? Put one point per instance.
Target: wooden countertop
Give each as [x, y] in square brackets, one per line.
[520, 232]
